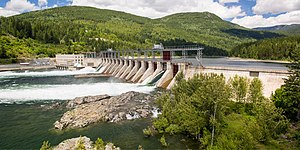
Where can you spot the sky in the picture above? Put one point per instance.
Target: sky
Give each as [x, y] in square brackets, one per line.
[247, 13]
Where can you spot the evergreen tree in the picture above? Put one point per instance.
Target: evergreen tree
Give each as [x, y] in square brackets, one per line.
[288, 96]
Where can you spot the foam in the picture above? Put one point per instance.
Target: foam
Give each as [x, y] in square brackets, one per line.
[10, 74]
[65, 92]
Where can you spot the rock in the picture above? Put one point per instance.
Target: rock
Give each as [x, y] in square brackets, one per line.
[73, 143]
[56, 105]
[58, 125]
[89, 110]
[87, 99]
[110, 146]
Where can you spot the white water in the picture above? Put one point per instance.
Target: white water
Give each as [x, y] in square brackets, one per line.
[155, 111]
[102, 70]
[10, 74]
[29, 92]
[147, 80]
[156, 77]
[64, 92]
[135, 115]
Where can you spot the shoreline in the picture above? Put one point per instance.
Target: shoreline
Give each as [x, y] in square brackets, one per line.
[258, 60]
[19, 67]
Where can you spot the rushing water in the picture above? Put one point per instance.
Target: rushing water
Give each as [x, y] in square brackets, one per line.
[24, 124]
[59, 85]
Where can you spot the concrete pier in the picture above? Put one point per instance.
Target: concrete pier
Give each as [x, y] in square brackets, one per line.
[148, 72]
[140, 72]
[113, 68]
[127, 70]
[118, 68]
[159, 68]
[123, 68]
[133, 70]
[108, 65]
[167, 77]
[181, 68]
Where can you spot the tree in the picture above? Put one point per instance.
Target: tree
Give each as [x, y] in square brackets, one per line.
[239, 87]
[255, 91]
[288, 96]
[194, 105]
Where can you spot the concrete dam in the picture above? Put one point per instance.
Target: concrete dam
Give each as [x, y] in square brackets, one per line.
[161, 66]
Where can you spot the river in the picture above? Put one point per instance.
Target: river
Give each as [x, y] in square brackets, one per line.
[24, 124]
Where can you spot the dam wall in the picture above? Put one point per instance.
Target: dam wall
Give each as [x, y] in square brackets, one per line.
[271, 80]
[160, 67]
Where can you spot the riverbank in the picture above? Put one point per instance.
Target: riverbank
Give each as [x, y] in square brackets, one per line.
[259, 60]
[16, 67]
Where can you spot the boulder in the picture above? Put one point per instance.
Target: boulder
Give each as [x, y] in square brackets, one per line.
[74, 142]
[86, 99]
[89, 110]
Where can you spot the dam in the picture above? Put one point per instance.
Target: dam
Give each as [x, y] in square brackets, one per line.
[161, 65]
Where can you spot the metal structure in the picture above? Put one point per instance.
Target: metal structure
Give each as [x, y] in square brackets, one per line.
[159, 53]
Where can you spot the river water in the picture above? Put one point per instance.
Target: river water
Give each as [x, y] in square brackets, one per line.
[24, 124]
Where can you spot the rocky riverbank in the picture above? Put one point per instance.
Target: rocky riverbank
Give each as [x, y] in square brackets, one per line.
[75, 143]
[92, 109]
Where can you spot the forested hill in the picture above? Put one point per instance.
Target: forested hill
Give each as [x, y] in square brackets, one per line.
[275, 48]
[293, 29]
[88, 29]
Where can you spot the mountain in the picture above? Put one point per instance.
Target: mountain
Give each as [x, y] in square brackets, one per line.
[292, 29]
[88, 29]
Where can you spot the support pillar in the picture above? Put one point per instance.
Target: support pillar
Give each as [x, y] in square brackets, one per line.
[167, 77]
[148, 72]
[140, 72]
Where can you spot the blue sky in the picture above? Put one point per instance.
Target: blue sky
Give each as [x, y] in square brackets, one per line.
[248, 13]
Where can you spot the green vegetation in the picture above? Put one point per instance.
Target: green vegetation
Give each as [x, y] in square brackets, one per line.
[99, 144]
[274, 48]
[46, 146]
[288, 96]
[80, 29]
[147, 131]
[80, 145]
[222, 115]
[293, 29]
[11, 47]
[163, 141]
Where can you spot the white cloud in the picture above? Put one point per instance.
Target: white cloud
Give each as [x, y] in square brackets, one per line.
[275, 6]
[42, 3]
[14, 7]
[160, 8]
[20, 5]
[228, 1]
[7, 13]
[260, 21]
